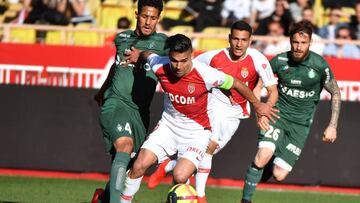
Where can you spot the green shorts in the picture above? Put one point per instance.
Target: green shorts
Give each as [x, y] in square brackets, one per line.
[286, 139]
[118, 120]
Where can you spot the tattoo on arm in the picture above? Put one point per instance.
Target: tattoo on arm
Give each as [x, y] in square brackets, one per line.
[333, 88]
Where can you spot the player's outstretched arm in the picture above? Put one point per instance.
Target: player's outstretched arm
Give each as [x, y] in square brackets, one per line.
[134, 55]
[272, 97]
[330, 133]
[273, 94]
[99, 96]
[260, 108]
[257, 89]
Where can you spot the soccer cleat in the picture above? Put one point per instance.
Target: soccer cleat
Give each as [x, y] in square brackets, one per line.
[158, 175]
[96, 195]
[202, 199]
[245, 201]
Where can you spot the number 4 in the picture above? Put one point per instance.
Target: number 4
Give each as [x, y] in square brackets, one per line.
[272, 133]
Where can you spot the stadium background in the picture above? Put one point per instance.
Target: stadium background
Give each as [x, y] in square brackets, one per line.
[56, 128]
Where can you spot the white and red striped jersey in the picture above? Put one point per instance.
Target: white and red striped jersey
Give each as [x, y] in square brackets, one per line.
[187, 98]
[254, 66]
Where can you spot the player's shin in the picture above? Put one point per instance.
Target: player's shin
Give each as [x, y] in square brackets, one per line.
[268, 170]
[118, 175]
[203, 174]
[131, 188]
[252, 178]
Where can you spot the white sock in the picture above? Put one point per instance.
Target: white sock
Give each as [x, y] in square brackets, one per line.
[131, 187]
[188, 181]
[202, 174]
[170, 166]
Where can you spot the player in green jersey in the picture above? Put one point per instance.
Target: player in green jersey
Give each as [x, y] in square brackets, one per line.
[302, 74]
[126, 96]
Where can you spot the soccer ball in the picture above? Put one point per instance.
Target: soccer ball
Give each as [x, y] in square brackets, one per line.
[182, 193]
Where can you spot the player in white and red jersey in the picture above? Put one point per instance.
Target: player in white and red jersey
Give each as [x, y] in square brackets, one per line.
[246, 64]
[185, 124]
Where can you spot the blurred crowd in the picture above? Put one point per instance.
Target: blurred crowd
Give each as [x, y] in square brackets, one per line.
[339, 19]
[53, 12]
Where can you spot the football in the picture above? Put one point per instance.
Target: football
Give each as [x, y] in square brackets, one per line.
[182, 193]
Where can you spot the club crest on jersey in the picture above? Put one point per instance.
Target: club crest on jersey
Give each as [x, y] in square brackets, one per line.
[311, 73]
[120, 128]
[264, 66]
[191, 87]
[244, 72]
[284, 68]
[151, 45]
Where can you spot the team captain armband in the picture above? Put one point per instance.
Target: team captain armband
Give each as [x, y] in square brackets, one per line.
[228, 83]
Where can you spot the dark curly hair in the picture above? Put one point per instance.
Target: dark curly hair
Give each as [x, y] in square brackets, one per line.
[303, 26]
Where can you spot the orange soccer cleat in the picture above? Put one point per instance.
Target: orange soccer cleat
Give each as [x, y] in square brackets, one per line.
[202, 199]
[158, 175]
[96, 195]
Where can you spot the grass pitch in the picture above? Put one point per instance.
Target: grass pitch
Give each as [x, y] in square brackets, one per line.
[15, 189]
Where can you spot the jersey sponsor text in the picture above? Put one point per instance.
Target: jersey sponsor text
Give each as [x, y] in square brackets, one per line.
[294, 149]
[296, 93]
[181, 99]
[196, 150]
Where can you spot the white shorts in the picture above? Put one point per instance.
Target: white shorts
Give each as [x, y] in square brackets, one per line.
[223, 128]
[166, 140]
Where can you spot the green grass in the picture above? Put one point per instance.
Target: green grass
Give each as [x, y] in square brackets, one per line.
[38, 190]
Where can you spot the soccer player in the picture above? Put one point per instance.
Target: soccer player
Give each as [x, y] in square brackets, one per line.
[128, 92]
[185, 124]
[246, 64]
[302, 74]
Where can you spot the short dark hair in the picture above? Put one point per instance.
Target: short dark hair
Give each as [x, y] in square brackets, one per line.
[303, 26]
[123, 23]
[158, 4]
[242, 26]
[178, 43]
[345, 27]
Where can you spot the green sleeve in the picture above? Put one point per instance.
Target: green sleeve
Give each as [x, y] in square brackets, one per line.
[228, 83]
[327, 73]
[273, 65]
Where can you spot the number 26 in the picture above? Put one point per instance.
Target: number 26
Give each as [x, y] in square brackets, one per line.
[272, 133]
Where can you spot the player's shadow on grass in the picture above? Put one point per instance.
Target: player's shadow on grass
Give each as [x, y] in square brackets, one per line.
[9, 202]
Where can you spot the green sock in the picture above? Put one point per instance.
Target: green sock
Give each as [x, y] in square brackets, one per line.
[118, 175]
[252, 178]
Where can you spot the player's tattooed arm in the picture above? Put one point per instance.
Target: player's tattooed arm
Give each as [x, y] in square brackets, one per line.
[333, 88]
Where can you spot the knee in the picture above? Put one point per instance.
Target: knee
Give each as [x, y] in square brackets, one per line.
[262, 157]
[279, 173]
[139, 168]
[180, 177]
[124, 144]
[279, 177]
[261, 161]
